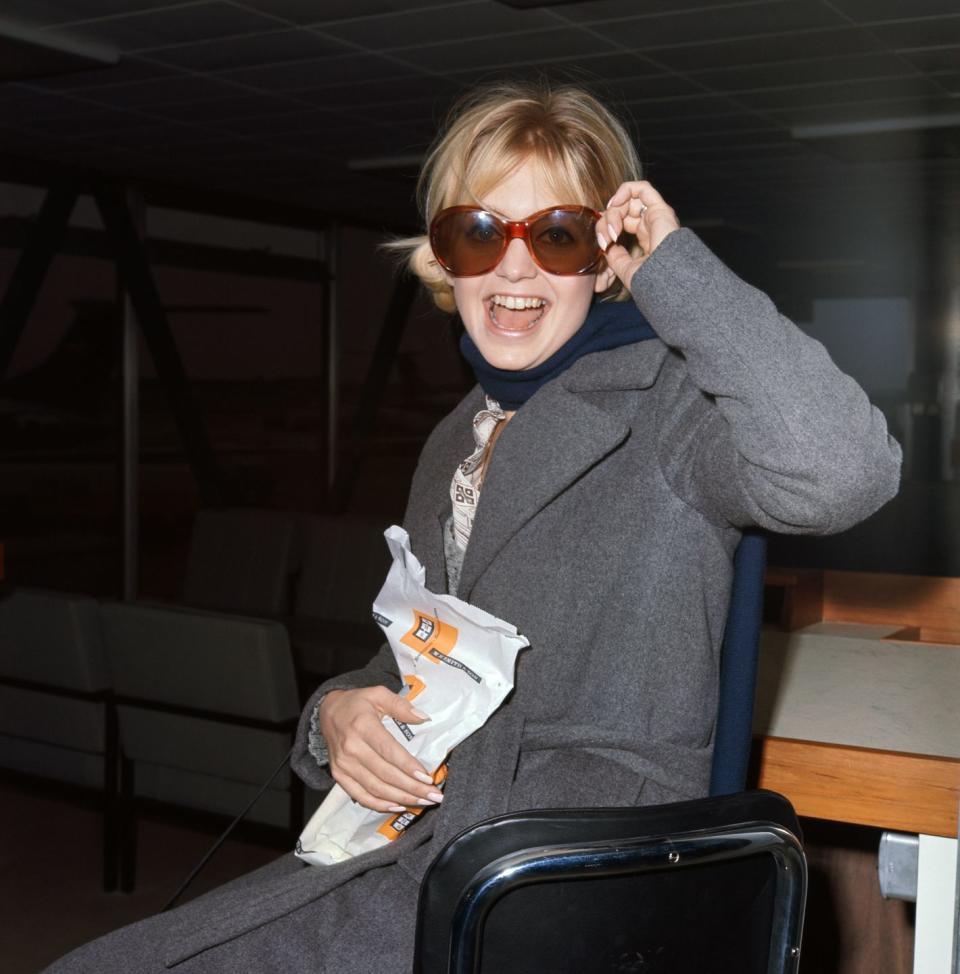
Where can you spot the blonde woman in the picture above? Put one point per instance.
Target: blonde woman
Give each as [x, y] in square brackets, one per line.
[637, 407]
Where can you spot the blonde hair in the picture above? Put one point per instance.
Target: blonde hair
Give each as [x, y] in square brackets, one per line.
[583, 150]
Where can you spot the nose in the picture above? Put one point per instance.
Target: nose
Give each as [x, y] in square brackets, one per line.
[516, 263]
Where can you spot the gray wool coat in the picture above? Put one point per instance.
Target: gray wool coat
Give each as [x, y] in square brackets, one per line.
[610, 513]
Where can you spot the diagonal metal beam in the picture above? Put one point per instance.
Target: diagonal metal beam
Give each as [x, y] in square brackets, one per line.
[375, 383]
[43, 242]
[137, 278]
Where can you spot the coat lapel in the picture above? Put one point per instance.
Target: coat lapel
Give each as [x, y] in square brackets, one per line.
[551, 441]
[429, 505]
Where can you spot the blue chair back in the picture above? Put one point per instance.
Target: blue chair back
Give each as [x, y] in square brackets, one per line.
[738, 667]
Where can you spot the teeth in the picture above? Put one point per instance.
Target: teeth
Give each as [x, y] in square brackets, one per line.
[513, 302]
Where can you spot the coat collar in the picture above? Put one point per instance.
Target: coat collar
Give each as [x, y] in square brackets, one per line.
[552, 440]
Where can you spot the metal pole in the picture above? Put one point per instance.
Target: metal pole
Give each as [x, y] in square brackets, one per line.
[332, 249]
[130, 457]
[39, 248]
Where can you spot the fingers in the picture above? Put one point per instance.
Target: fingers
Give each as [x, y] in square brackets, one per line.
[622, 262]
[366, 798]
[365, 759]
[378, 784]
[396, 705]
[635, 208]
[638, 189]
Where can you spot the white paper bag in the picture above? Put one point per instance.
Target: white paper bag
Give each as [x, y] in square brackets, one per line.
[456, 661]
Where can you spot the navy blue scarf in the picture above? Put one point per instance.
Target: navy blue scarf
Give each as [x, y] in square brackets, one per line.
[608, 325]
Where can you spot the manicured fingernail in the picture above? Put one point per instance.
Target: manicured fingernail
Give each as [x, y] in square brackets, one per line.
[613, 236]
[419, 713]
[602, 240]
[435, 796]
[423, 776]
[397, 808]
[425, 801]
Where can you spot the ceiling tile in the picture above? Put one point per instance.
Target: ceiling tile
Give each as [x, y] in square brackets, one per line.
[867, 111]
[86, 122]
[173, 25]
[802, 71]
[377, 93]
[764, 50]
[930, 32]
[49, 12]
[694, 106]
[679, 125]
[749, 148]
[298, 120]
[317, 72]
[934, 58]
[241, 105]
[128, 69]
[842, 92]
[249, 50]
[718, 24]
[509, 49]
[950, 82]
[153, 136]
[21, 106]
[649, 88]
[593, 69]
[310, 11]
[410, 27]
[608, 9]
[869, 11]
[177, 89]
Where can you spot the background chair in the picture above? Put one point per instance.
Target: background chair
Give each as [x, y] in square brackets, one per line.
[207, 707]
[56, 714]
[345, 561]
[242, 560]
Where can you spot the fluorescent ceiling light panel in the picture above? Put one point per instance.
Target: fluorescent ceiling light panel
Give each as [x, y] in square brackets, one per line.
[27, 53]
[874, 126]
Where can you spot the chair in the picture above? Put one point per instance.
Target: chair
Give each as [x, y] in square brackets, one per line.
[207, 707]
[344, 564]
[56, 714]
[716, 884]
[242, 560]
[713, 885]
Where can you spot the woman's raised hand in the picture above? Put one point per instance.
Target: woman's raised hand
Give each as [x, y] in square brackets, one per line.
[639, 209]
[370, 766]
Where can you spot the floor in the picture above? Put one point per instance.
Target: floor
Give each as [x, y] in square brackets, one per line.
[51, 900]
[50, 894]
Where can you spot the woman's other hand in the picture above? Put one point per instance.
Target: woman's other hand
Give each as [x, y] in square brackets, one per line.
[371, 767]
[636, 208]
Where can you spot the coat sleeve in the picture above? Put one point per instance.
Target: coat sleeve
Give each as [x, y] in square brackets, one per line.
[758, 425]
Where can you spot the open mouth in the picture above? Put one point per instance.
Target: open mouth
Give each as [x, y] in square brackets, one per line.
[510, 312]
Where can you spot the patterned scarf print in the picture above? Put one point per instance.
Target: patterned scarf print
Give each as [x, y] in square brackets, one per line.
[465, 487]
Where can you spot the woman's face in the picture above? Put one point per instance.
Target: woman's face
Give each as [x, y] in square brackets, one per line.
[526, 337]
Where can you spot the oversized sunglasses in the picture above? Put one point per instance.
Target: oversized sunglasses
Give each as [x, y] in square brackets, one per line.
[468, 241]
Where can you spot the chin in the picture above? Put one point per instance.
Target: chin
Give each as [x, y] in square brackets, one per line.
[510, 359]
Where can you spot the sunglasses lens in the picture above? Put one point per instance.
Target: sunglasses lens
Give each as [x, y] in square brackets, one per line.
[565, 241]
[468, 242]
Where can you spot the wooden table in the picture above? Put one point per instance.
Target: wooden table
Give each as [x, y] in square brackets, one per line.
[854, 726]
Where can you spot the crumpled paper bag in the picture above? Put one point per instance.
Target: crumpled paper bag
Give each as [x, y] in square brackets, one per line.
[456, 661]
